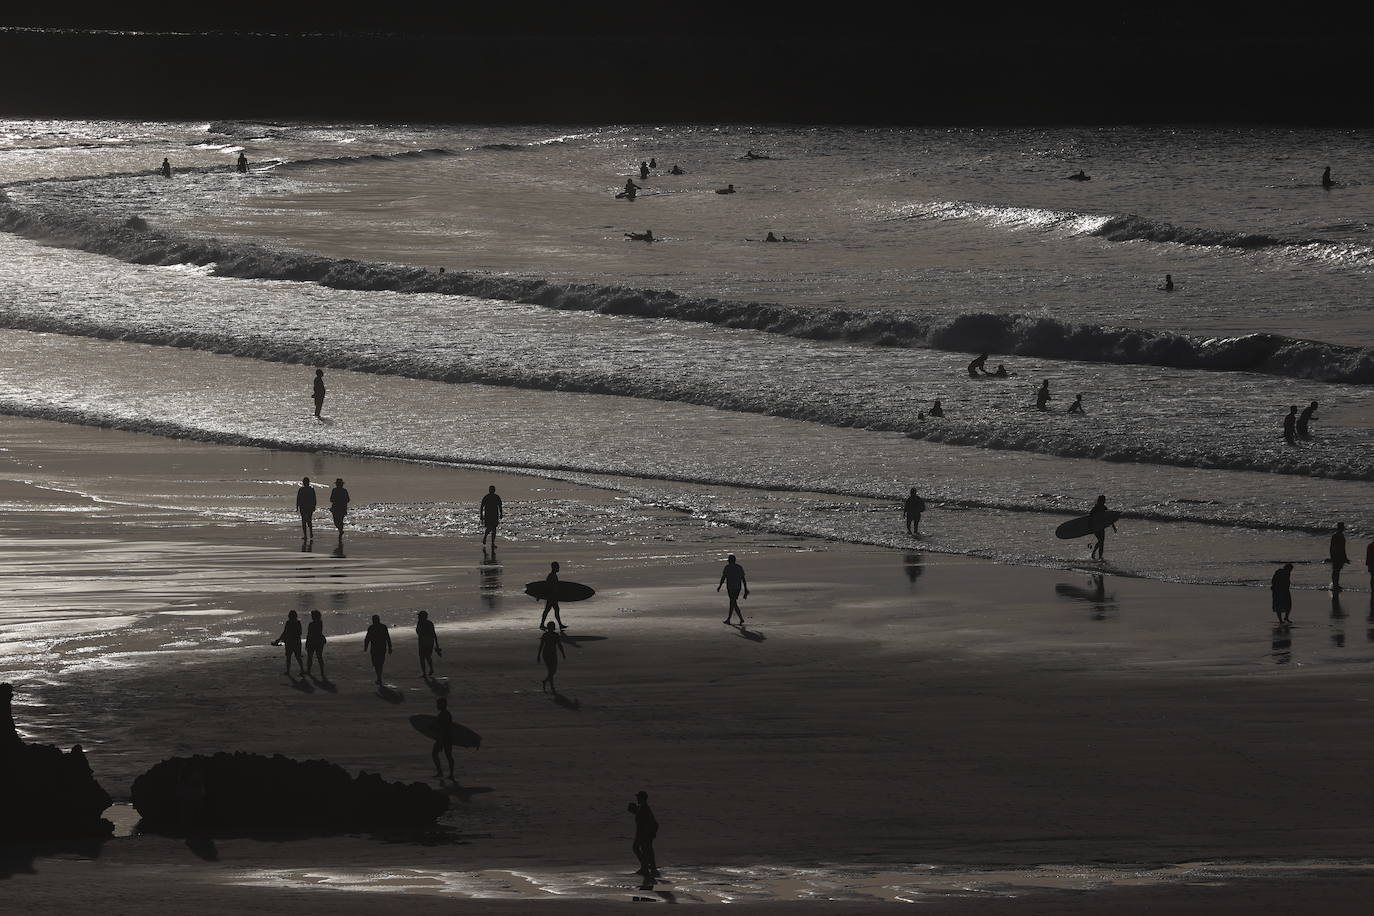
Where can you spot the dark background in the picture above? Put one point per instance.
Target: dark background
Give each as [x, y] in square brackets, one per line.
[854, 63]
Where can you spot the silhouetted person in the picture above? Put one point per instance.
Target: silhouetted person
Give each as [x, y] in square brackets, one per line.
[676, 170]
[631, 189]
[936, 410]
[291, 638]
[1326, 177]
[443, 737]
[1290, 425]
[912, 508]
[1309, 413]
[1100, 533]
[1369, 565]
[429, 646]
[242, 163]
[730, 189]
[305, 505]
[653, 163]
[771, 238]
[166, 169]
[314, 643]
[338, 504]
[646, 830]
[317, 392]
[1081, 176]
[643, 170]
[975, 368]
[1001, 371]
[646, 236]
[1077, 405]
[378, 640]
[550, 647]
[732, 577]
[1168, 285]
[1338, 556]
[1283, 597]
[490, 513]
[1042, 396]
[551, 598]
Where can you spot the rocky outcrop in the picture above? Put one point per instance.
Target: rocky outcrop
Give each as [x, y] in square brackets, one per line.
[45, 795]
[254, 795]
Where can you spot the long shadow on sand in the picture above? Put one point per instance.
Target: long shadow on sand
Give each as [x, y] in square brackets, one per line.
[390, 694]
[751, 635]
[464, 793]
[440, 688]
[568, 702]
[301, 684]
[576, 641]
[324, 684]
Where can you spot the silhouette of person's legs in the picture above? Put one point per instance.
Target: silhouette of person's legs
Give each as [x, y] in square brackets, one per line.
[426, 661]
[378, 660]
[311, 654]
[551, 663]
[447, 747]
[551, 606]
[734, 607]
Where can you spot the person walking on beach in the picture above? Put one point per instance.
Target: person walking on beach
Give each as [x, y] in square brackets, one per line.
[314, 644]
[378, 640]
[305, 505]
[429, 646]
[1309, 413]
[912, 508]
[1283, 598]
[291, 638]
[732, 577]
[1290, 425]
[550, 647]
[443, 737]
[1099, 530]
[1338, 556]
[166, 169]
[1042, 396]
[490, 514]
[646, 830]
[551, 598]
[317, 393]
[338, 504]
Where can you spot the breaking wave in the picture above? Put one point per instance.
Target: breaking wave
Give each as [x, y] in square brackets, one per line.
[1011, 334]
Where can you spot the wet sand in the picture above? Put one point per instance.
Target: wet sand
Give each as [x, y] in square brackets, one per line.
[886, 713]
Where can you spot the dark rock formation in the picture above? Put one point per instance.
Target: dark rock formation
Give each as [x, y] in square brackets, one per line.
[253, 795]
[45, 795]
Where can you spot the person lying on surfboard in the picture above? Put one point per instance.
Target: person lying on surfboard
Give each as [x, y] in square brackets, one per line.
[646, 236]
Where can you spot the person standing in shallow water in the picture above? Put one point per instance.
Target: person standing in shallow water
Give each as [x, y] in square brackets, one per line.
[1338, 556]
[912, 508]
[490, 514]
[1283, 597]
[305, 505]
[166, 169]
[1309, 413]
[317, 393]
[1042, 396]
[378, 641]
[338, 504]
[550, 647]
[242, 164]
[314, 643]
[1290, 426]
[732, 577]
[291, 638]
[429, 645]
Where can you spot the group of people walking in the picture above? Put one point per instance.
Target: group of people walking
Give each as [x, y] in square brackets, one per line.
[306, 504]
[376, 642]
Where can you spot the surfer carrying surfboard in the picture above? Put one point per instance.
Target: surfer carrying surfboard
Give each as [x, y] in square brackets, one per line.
[1095, 514]
[551, 598]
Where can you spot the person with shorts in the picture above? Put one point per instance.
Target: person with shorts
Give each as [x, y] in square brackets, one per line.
[732, 577]
[490, 514]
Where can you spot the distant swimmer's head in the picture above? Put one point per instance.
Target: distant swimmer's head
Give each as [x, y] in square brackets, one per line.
[376, 618]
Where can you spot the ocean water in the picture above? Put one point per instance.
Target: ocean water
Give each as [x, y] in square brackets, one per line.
[775, 386]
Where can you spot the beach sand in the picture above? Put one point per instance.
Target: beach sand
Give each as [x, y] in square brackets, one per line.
[890, 726]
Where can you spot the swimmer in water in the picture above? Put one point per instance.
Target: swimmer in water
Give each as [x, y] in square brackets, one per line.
[772, 238]
[676, 170]
[726, 190]
[1001, 371]
[1077, 405]
[1326, 177]
[975, 368]
[646, 236]
[1081, 176]
[1042, 396]
[1168, 284]
[937, 410]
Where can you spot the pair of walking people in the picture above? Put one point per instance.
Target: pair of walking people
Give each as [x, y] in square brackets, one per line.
[306, 504]
[314, 644]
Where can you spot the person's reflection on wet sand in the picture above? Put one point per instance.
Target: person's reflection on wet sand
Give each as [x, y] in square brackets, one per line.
[914, 565]
[1281, 645]
[489, 573]
[1096, 595]
[1337, 621]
